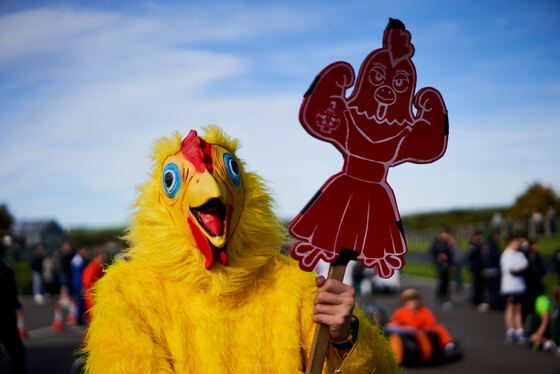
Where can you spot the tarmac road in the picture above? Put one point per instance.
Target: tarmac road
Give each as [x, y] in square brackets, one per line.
[481, 336]
[47, 351]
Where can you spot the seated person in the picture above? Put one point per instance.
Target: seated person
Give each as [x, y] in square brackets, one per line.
[414, 314]
[539, 325]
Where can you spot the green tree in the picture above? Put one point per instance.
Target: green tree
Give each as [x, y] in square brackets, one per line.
[6, 219]
[537, 198]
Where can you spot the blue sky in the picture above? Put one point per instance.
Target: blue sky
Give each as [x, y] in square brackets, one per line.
[86, 87]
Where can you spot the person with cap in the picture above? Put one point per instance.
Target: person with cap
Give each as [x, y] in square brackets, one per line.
[414, 314]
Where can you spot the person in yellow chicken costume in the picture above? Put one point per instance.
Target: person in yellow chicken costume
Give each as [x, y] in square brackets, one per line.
[205, 288]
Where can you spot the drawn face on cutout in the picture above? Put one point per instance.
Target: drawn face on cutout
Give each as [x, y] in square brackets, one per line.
[384, 91]
[375, 128]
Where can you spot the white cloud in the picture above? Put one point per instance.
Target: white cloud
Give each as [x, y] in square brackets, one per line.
[99, 86]
[34, 32]
[105, 85]
[109, 96]
[44, 30]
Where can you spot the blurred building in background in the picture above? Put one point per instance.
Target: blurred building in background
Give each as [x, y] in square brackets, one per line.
[29, 233]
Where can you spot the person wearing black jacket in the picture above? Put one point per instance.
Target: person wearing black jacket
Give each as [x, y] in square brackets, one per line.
[477, 267]
[9, 304]
[67, 253]
[533, 277]
[491, 272]
[443, 260]
[556, 260]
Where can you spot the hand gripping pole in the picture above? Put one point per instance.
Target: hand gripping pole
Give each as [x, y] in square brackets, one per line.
[321, 338]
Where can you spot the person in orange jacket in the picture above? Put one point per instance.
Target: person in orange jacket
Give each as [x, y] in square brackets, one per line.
[92, 272]
[414, 314]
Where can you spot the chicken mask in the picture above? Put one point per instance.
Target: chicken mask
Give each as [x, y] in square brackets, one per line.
[202, 188]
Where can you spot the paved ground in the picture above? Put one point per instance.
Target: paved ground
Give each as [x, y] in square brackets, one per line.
[47, 351]
[481, 335]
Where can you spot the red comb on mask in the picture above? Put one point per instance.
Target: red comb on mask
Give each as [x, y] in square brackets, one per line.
[197, 151]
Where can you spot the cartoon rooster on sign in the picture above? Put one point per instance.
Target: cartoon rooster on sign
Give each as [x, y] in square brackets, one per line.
[375, 128]
[205, 288]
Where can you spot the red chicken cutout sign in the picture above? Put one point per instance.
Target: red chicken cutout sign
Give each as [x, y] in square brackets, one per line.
[375, 128]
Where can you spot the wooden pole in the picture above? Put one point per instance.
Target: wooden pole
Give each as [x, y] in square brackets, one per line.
[321, 338]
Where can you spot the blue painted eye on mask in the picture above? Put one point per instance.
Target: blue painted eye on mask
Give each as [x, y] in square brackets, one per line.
[232, 169]
[171, 179]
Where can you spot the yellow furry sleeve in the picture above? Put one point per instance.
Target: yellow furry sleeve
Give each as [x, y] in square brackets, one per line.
[120, 338]
[370, 354]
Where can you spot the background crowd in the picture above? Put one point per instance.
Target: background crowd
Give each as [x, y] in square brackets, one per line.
[497, 282]
[504, 277]
[67, 275]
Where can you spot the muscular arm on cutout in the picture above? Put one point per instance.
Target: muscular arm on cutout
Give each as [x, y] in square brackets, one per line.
[322, 110]
[427, 140]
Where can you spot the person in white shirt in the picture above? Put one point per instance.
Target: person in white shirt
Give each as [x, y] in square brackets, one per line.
[512, 264]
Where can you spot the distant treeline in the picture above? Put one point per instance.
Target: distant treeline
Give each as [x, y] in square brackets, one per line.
[421, 221]
[454, 217]
[89, 237]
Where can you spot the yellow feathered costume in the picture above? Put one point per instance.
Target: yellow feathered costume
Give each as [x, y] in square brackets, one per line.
[238, 306]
